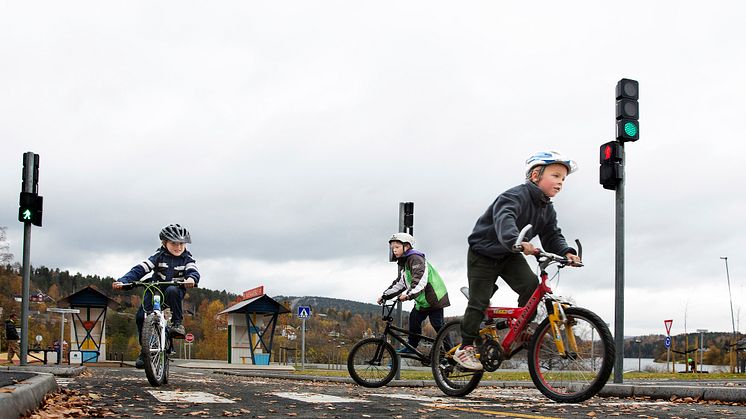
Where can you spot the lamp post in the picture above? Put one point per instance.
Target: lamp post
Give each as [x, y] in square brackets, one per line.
[732, 319]
[701, 347]
[639, 354]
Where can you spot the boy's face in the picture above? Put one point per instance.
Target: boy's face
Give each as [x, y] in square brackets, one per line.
[551, 181]
[397, 248]
[175, 248]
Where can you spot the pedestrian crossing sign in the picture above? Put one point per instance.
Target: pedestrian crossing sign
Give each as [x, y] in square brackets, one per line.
[304, 312]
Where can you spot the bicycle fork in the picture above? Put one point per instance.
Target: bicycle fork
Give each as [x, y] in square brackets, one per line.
[557, 317]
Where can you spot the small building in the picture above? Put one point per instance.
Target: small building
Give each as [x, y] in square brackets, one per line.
[88, 328]
[251, 327]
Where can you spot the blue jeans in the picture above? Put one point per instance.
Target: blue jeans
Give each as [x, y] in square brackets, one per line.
[416, 317]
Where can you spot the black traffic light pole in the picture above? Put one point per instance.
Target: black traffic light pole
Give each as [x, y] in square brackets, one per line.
[619, 278]
[406, 225]
[29, 185]
[612, 177]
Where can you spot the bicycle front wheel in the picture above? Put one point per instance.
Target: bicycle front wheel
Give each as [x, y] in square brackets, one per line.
[372, 362]
[450, 377]
[582, 369]
[153, 351]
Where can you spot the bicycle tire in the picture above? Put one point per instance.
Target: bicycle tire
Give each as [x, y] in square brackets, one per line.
[372, 362]
[576, 376]
[154, 353]
[449, 376]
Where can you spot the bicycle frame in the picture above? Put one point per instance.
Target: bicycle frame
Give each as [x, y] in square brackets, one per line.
[399, 333]
[519, 317]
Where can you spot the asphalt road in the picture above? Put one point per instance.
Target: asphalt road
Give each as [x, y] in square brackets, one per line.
[125, 392]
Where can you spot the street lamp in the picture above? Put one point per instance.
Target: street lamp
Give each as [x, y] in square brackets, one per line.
[732, 319]
[701, 347]
[639, 354]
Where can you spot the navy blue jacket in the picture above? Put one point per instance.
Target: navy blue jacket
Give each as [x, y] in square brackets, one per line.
[497, 229]
[166, 267]
[10, 330]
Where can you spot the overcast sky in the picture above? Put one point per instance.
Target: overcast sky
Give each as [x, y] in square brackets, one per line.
[285, 134]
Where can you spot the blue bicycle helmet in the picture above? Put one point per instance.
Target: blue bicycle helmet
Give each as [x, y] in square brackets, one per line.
[545, 158]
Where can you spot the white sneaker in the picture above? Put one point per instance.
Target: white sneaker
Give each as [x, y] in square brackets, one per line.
[467, 358]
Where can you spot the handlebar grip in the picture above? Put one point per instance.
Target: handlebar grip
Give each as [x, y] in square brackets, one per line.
[517, 247]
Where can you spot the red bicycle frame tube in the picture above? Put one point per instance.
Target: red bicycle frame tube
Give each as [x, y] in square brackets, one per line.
[518, 317]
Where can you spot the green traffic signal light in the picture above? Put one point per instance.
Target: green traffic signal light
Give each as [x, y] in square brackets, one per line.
[630, 129]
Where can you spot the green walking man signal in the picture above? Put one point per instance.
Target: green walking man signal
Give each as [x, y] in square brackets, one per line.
[30, 208]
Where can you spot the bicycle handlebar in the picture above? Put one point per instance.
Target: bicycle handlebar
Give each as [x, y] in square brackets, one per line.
[131, 285]
[539, 253]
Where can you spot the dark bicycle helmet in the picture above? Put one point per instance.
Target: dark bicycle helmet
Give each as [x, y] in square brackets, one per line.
[175, 233]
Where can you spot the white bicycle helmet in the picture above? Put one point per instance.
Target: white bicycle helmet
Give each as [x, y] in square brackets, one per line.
[545, 158]
[402, 237]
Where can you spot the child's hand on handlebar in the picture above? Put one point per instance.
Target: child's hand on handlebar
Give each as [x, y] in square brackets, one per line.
[574, 259]
[528, 249]
[189, 282]
[117, 285]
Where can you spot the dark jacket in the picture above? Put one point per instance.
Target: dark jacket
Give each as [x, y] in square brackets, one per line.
[166, 267]
[10, 330]
[497, 229]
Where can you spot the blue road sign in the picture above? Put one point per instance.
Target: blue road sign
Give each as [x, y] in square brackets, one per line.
[668, 341]
[304, 312]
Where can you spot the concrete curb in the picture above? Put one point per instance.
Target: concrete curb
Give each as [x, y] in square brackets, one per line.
[27, 396]
[654, 391]
[54, 370]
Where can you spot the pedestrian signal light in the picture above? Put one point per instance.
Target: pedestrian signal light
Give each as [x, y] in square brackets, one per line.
[30, 208]
[611, 171]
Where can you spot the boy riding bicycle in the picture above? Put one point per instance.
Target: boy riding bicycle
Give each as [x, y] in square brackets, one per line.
[420, 282]
[170, 262]
[490, 244]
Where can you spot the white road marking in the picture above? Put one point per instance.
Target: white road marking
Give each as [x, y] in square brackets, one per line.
[318, 398]
[187, 397]
[63, 381]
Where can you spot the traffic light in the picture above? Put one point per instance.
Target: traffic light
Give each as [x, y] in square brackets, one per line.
[30, 208]
[611, 173]
[627, 110]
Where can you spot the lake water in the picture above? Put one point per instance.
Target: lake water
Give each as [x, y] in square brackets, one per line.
[647, 364]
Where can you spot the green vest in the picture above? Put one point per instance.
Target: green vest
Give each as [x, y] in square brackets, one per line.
[433, 280]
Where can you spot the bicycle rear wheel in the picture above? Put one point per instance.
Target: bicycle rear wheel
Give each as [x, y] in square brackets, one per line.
[153, 351]
[449, 376]
[579, 373]
[372, 362]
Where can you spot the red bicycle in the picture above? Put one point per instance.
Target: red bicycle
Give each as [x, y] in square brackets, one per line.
[570, 354]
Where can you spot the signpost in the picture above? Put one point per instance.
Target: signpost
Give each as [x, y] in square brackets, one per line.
[62, 311]
[668, 324]
[188, 341]
[303, 313]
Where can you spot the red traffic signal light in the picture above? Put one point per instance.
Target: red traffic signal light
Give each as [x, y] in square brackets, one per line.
[611, 171]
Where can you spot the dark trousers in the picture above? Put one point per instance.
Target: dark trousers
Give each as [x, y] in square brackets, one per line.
[483, 273]
[173, 295]
[416, 317]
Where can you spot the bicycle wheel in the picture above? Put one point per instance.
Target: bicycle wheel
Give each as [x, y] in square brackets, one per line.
[153, 351]
[449, 376]
[575, 375]
[372, 362]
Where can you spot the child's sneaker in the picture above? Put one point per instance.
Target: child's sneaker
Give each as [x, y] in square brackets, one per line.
[178, 329]
[467, 358]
